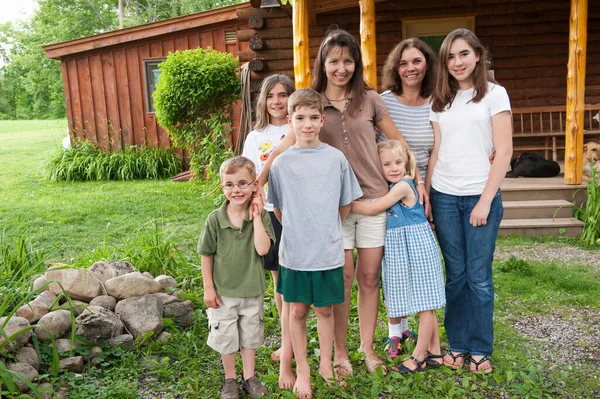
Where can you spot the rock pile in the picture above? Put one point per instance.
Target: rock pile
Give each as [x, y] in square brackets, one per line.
[108, 303]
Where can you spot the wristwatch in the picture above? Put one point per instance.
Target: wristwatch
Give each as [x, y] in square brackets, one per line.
[420, 182]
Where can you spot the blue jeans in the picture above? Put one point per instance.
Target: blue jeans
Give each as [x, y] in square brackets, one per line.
[468, 254]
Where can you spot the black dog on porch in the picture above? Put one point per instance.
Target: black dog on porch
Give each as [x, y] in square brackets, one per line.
[529, 164]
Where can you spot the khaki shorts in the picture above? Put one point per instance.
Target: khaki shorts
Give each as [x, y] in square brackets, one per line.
[237, 322]
[362, 231]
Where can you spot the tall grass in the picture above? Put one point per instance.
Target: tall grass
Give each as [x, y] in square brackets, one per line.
[85, 162]
[19, 262]
[589, 212]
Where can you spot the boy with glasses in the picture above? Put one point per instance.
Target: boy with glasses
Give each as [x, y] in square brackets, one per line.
[233, 241]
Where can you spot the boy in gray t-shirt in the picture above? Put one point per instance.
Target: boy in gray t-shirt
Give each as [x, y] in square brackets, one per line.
[311, 186]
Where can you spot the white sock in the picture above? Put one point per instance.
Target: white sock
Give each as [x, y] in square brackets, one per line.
[403, 325]
[395, 330]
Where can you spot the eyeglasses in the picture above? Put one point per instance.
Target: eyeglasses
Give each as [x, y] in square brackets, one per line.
[241, 185]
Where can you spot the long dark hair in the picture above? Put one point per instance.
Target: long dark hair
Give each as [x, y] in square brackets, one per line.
[390, 78]
[342, 39]
[446, 86]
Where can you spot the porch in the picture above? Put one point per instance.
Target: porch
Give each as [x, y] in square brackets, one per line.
[541, 206]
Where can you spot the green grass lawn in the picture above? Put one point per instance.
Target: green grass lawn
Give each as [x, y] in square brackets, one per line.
[159, 221]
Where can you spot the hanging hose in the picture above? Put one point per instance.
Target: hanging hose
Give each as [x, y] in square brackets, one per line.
[246, 111]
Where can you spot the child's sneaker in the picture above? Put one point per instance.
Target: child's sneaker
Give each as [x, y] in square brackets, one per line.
[393, 347]
[409, 334]
[254, 387]
[230, 389]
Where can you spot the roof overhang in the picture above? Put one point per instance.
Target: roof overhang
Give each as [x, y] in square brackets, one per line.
[225, 14]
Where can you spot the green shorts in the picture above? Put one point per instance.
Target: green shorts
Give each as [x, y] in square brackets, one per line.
[318, 288]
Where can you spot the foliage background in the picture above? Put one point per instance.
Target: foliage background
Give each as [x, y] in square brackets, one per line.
[31, 84]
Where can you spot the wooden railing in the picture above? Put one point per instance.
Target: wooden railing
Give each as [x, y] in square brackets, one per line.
[543, 128]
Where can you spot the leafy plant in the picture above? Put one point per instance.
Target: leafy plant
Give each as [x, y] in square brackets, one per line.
[85, 162]
[589, 212]
[193, 100]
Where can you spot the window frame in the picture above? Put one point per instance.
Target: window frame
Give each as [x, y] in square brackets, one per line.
[150, 65]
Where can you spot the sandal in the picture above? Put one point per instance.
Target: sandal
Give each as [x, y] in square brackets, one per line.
[342, 368]
[431, 362]
[455, 357]
[373, 364]
[478, 363]
[402, 369]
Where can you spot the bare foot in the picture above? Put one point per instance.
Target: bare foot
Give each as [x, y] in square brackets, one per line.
[286, 378]
[302, 388]
[275, 355]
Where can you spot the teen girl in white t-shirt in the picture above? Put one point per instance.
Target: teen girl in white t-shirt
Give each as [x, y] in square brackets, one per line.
[270, 128]
[471, 118]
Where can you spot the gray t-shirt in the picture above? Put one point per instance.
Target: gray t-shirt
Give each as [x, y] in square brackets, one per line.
[308, 186]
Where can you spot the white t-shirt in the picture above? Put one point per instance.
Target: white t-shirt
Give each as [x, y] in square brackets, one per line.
[463, 164]
[259, 145]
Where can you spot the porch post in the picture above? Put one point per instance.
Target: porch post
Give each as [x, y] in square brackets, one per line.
[368, 45]
[576, 92]
[300, 15]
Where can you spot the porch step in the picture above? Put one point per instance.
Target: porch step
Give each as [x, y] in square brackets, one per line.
[541, 227]
[537, 209]
[553, 188]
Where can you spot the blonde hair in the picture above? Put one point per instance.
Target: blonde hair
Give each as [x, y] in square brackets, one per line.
[262, 115]
[446, 85]
[408, 157]
[305, 98]
[233, 165]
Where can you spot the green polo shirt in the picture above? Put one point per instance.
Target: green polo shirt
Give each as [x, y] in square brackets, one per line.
[237, 268]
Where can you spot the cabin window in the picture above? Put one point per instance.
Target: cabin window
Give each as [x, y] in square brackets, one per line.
[433, 31]
[151, 73]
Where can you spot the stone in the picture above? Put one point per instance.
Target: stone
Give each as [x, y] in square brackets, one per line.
[78, 284]
[131, 285]
[98, 324]
[29, 356]
[77, 307]
[38, 307]
[61, 393]
[47, 390]
[147, 274]
[95, 353]
[38, 283]
[189, 304]
[180, 312]
[53, 325]
[165, 298]
[141, 315]
[13, 326]
[26, 371]
[74, 364]
[164, 336]
[166, 282]
[65, 345]
[122, 267]
[103, 271]
[126, 340]
[105, 301]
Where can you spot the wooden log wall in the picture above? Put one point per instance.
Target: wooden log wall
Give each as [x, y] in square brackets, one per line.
[528, 40]
[105, 88]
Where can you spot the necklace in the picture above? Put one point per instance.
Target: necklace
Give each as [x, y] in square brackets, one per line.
[341, 99]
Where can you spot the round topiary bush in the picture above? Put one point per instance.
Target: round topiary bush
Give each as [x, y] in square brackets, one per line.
[194, 96]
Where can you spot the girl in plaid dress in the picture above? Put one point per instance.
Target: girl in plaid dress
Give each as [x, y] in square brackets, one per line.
[412, 267]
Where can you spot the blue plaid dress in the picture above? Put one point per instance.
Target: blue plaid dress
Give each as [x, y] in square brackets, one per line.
[412, 265]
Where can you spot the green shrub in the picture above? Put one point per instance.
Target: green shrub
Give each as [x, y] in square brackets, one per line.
[193, 100]
[589, 212]
[85, 162]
